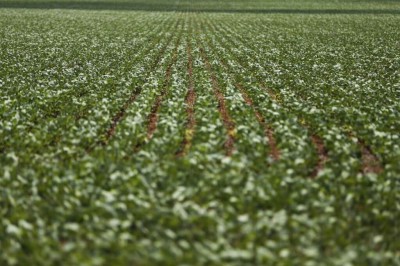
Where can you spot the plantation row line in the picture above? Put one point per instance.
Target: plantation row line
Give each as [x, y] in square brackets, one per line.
[369, 160]
[190, 85]
[228, 64]
[74, 111]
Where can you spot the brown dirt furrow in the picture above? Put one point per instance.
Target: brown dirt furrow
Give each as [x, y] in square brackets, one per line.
[322, 154]
[190, 102]
[269, 133]
[369, 161]
[276, 97]
[121, 113]
[119, 116]
[317, 141]
[153, 116]
[226, 119]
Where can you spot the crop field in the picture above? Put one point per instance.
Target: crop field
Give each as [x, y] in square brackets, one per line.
[199, 132]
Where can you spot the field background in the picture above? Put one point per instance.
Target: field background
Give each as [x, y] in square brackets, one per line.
[199, 132]
[239, 6]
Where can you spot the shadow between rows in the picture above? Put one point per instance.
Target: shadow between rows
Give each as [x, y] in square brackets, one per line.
[142, 6]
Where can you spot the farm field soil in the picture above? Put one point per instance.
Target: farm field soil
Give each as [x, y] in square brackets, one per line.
[207, 132]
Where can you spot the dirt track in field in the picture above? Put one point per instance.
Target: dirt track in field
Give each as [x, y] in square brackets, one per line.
[119, 116]
[269, 133]
[369, 161]
[153, 117]
[322, 154]
[190, 101]
[226, 119]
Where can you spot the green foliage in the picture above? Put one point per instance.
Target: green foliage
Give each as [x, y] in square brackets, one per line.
[83, 183]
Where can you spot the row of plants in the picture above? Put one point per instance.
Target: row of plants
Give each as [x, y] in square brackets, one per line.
[197, 138]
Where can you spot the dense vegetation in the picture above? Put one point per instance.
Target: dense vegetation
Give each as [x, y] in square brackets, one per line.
[228, 132]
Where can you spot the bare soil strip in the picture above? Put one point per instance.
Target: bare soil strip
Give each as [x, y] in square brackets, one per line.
[369, 161]
[153, 117]
[81, 113]
[322, 154]
[190, 102]
[269, 133]
[119, 116]
[316, 140]
[227, 121]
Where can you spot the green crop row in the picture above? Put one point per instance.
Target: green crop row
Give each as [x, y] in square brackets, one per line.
[220, 138]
